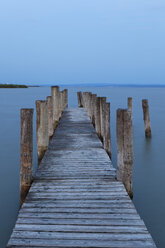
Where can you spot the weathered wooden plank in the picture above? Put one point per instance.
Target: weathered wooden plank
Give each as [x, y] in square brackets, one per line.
[61, 197]
[117, 203]
[80, 236]
[79, 228]
[74, 190]
[56, 185]
[130, 216]
[86, 182]
[80, 243]
[83, 195]
[93, 222]
[79, 210]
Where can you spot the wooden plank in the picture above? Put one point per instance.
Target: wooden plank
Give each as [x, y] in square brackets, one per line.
[86, 182]
[80, 236]
[118, 203]
[80, 243]
[116, 193]
[79, 210]
[93, 222]
[98, 216]
[79, 228]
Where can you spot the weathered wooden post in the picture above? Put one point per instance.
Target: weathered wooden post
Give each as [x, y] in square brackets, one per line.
[125, 149]
[85, 99]
[93, 108]
[55, 101]
[130, 104]
[50, 116]
[146, 117]
[60, 103]
[42, 128]
[26, 170]
[63, 100]
[97, 117]
[102, 117]
[66, 97]
[80, 99]
[107, 134]
[89, 104]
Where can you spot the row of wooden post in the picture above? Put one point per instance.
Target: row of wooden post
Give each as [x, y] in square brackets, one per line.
[99, 112]
[146, 115]
[124, 129]
[48, 113]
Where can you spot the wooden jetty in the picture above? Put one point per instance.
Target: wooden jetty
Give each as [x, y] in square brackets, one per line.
[75, 199]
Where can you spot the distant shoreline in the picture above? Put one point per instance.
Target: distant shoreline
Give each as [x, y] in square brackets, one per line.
[104, 85]
[13, 86]
[84, 85]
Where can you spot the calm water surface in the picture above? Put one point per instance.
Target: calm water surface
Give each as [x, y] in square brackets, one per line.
[149, 165]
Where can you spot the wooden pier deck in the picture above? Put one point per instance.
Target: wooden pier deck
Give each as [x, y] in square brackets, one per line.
[75, 200]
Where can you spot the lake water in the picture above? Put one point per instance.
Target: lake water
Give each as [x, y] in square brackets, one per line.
[149, 165]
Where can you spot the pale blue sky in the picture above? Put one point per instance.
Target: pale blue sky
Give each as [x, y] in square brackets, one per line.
[82, 41]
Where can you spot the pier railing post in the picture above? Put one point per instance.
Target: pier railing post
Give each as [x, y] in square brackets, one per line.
[42, 128]
[97, 117]
[55, 101]
[102, 117]
[125, 149]
[26, 152]
[146, 117]
[130, 104]
[107, 133]
[50, 116]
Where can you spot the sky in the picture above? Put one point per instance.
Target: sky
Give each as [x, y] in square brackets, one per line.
[82, 41]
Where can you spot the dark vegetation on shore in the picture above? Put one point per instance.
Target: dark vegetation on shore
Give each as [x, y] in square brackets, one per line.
[13, 86]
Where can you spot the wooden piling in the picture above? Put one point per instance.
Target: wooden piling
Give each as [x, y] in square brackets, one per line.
[90, 104]
[26, 152]
[85, 100]
[80, 99]
[146, 118]
[50, 116]
[125, 149]
[130, 104]
[65, 98]
[102, 117]
[60, 103]
[42, 128]
[93, 108]
[107, 133]
[97, 117]
[55, 101]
